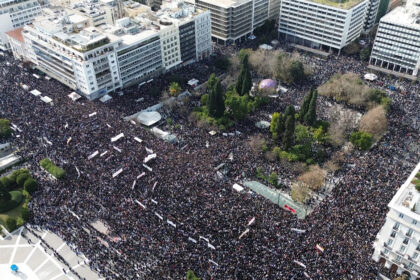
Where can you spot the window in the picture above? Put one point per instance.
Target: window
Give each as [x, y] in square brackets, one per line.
[389, 242]
[393, 234]
[402, 249]
[410, 265]
[386, 251]
[415, 255]
[414, 222]
[410, 232]
[396, 226]
[406, 241]
[401, 215]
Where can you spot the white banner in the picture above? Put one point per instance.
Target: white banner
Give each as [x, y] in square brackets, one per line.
[149, 157]
[141, 175]
[171, 223]
[139, 203]
[192, 240]
[159, 216]
[147, 167]
[243, 233]
[104, 153]
[117, 173]
[118, 149]
[138, 139]
[118, 137]
[92, 114]
[93, 155]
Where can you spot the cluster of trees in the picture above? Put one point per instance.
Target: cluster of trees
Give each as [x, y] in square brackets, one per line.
[222, 108]
[283, 125]
[289, 70]
[350, 88]
[416, 181]
[5, 130]
[51, 168]
[11, 195]
[361, 140]
[272, 179]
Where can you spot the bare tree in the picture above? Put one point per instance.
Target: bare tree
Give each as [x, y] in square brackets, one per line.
[256, 142]
[300, 192]
[374, 122]
[314, 178]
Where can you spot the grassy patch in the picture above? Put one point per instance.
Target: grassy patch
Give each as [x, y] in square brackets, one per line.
[16, 199]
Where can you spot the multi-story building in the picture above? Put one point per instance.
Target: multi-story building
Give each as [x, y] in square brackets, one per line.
[95, 60]
[15, 14]
[396, 49]
[371, 12]
[321, 24]
[235, 20]
[397, 245]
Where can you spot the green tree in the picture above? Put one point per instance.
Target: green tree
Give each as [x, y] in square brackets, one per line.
[4, 194]
[297, 72]
[361, 139]
[5, 130]
[244, 82]
[289, 132]
[216, 105]
[273, 179]
[305, 105]
[6, 182]
[30, 185]
[21, 178]
[277, 125]
[364, 54]
[191, 275]
[11, 224]
[237, 106]
[310, 116]
[174, 89]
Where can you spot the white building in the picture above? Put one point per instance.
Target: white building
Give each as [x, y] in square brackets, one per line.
[235, 20]
[321, 24]
[95, 60]
[397, 245]
[371, 13]
[396, 49]
[15, 14]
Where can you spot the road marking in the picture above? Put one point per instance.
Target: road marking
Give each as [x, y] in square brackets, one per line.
[17, 242]
[44, 262]
[61, 247]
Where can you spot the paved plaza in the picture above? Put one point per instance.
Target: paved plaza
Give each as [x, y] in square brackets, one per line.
[36, 261]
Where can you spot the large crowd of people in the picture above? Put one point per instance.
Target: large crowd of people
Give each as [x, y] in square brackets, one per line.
[173, 214]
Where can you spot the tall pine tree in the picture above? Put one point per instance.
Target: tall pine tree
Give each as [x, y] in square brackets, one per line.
[215, 103]
[305, 105]
[289, 131]
[277, 125]
[218, 100]
[310, 116]
[244, 82]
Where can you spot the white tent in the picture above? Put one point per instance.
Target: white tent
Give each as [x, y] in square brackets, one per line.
[105, 98]
[237, 187]
[74, 96]
[370, 77]
[36, 92]
[46, 99]
[193, 82]
[25, 87]
[265, 47]
[149, 118]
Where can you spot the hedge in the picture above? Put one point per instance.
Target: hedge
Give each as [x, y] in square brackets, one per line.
[51, 168]
[16, 199]
[7, 183]
[11, 224]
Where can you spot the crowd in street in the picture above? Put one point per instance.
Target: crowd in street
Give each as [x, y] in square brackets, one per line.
[172, 214]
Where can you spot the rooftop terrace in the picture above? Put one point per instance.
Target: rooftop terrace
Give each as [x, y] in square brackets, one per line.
[341, 4]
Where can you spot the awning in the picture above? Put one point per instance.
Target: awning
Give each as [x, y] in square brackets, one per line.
[74, 96]
[149, 118]
[36, 92]
[105, 98]
[46, 99]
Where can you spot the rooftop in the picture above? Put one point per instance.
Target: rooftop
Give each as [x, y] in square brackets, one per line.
[341, 4]
[407, 16]
[16, 34]
[407, 198]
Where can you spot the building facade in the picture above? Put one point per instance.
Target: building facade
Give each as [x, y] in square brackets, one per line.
[396, 49]
[321, 26]
[95, 60]
[371, 13]
[15, 14]
[397, 245]
[235, 20]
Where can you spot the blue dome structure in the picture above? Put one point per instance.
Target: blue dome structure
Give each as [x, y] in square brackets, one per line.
[267, 83]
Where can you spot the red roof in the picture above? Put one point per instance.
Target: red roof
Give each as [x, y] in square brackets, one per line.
[16, 34]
